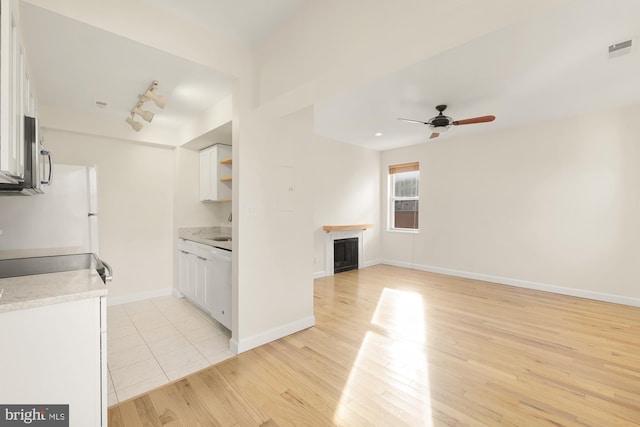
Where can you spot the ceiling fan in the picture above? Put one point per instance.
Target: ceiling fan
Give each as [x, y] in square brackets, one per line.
[442, 123]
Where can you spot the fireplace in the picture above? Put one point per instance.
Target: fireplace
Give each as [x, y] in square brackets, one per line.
[336, 259]
[345, 255]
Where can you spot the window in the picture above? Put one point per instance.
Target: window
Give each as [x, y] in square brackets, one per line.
[403, 196]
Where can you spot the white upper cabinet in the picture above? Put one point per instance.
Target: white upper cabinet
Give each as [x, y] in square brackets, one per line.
[16, 97]
[215, 173]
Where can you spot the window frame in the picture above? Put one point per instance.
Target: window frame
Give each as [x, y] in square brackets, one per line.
[392, 198]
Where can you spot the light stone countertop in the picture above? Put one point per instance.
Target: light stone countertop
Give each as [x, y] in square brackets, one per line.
[23, 292]
[204, 234]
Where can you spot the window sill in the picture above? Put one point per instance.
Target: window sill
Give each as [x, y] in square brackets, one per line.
[402, 231]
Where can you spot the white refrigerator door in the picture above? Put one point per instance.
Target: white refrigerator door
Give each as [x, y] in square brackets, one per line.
[92, 197]
[58, 218]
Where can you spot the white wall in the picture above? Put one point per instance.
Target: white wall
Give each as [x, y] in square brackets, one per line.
[346, 190]
[552, 206]
[274, 266]
[135, 195]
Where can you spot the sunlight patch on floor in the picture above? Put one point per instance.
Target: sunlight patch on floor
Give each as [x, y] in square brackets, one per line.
[390, 376]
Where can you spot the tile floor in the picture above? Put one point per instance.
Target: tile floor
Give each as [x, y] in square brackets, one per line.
[154, 342]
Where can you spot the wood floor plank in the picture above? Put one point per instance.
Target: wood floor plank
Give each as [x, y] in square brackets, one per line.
[114, 418]
[400, 347]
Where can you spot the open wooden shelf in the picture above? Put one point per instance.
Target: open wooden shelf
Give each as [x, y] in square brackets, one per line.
[226, 161]
[227, 179]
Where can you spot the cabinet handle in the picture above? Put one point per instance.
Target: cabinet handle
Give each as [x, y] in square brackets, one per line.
[204, 259]
[185, 252]
[47, 153]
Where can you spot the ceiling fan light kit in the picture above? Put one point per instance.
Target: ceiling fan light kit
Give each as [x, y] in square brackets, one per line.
[442, 123]
[149, 95]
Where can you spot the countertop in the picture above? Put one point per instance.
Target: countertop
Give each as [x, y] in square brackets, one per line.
[204, 235]
[19, 293]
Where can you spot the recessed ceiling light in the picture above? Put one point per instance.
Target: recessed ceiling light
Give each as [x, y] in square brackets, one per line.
[378, 133]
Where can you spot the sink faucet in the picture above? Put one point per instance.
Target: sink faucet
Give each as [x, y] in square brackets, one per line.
[229, 219]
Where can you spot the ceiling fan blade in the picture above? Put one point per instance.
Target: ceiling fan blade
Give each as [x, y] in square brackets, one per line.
[412, 121]
[482, 119]
[434, 135]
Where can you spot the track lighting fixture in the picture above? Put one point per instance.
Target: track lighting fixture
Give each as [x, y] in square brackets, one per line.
[146, 115]
[135, 125]
[149, 95]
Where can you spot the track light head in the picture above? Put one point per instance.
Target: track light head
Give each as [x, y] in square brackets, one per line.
[151, 94]
[135, 125]
[159, 100]
[146, 115]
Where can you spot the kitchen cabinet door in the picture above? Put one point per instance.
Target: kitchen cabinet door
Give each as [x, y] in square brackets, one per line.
[205, 176]
[187, 274]
[52, 355]
[183, 272]
[11, 72]
[200, 294]
[215, 177]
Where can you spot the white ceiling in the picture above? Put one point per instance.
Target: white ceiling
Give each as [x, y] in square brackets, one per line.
[77, 64]
[245, 21]
[552, 66]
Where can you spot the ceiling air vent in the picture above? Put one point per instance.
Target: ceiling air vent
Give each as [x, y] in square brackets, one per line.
[619, 49]
[101, 104]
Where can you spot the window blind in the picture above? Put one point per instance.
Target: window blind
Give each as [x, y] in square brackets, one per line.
[404, 167]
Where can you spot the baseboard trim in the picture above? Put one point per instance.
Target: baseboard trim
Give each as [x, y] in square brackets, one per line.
[319, 274]
[372, 263]
[582, 293]
[141, 296]
[365, 264]
[240, 346]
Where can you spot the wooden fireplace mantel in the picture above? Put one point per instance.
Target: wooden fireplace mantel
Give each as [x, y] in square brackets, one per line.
[330, 228]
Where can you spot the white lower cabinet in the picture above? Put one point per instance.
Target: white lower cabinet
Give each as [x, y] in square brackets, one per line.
[201, 281]
[204, 277]
[55, 354]
[184, 276]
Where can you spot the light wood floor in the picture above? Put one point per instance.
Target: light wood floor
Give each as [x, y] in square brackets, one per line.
[395, 347]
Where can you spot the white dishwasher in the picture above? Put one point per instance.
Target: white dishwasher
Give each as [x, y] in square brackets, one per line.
[218, 275]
